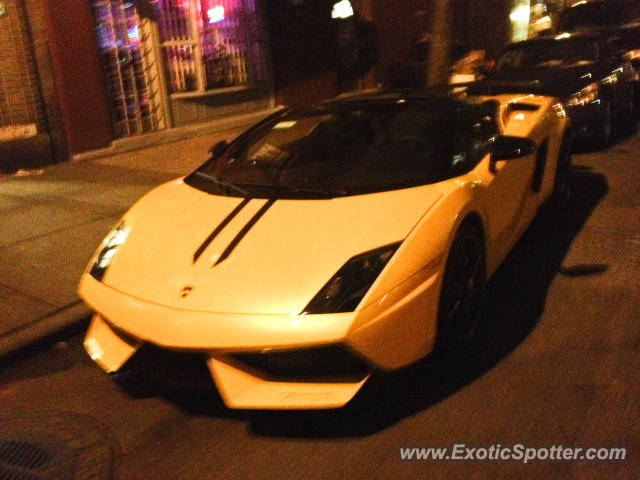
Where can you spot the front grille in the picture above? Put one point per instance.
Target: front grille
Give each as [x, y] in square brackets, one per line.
[184, 369]
[330, 362]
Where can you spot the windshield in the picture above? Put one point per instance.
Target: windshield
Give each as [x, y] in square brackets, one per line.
[598, 14]
[332, 150]
[552, 53]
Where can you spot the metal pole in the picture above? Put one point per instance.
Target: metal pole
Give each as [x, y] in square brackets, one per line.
[440, 46]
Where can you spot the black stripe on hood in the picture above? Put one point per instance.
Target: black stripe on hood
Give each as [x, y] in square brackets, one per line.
[219, 228]
[234, 243]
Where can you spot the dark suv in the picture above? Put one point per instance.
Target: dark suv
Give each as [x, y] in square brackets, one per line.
[583, 70]
[619, 19]
[596, 14]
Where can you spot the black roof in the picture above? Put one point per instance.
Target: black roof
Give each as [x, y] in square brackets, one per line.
[440, 95]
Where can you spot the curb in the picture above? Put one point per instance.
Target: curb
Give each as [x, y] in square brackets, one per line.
[43, 327]
[170, 135]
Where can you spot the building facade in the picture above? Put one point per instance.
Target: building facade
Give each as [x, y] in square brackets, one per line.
[77, 75]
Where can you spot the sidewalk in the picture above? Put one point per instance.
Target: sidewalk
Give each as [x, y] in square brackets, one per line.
[52, 220]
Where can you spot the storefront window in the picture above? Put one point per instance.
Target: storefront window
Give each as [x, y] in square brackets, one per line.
[519, 17]
[529, 18]
[209, 44]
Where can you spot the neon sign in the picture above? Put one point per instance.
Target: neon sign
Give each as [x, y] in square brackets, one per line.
[216, 14]
[342, 10]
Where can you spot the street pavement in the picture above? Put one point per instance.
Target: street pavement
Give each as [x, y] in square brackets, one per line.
[53, 219]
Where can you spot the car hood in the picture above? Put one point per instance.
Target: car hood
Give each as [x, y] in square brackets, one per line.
[558, 82]
[279, 253]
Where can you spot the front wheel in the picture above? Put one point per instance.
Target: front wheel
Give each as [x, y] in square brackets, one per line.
[462, 290]
[604, 132]
[562, 185]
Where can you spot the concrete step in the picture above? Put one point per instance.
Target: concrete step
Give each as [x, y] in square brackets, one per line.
[25, 153]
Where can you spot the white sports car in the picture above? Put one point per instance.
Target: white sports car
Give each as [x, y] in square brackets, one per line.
[327, 242]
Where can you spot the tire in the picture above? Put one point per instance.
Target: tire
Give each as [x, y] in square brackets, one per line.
[561, 184]
[627, 121]
[604, 132]
[462, 290]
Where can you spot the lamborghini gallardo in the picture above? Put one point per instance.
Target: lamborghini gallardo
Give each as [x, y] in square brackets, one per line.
[327, 242]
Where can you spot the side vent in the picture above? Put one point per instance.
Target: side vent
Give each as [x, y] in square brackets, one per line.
[523, 107]
[541, 162]
[517, 109]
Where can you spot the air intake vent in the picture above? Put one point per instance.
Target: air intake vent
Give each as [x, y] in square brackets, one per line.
[330, 362]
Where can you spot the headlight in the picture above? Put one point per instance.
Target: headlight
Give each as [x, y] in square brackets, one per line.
[108, 249]
[588, 94]
[632, 55]
[347, 287]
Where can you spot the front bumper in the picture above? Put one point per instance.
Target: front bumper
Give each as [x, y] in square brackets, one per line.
[388, 334]
[240, 386]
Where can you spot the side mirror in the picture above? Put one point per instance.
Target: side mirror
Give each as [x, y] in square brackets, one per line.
[488, 67]
[218, 148]
[506, 147]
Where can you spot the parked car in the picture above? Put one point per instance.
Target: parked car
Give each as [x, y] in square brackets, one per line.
[584, 70]
[618, 19]
[628, 44]
[588, 15]
[327, 242]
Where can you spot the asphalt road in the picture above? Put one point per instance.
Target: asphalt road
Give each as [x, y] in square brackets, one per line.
[557, 363]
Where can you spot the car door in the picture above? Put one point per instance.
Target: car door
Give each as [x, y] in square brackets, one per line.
[504, 189]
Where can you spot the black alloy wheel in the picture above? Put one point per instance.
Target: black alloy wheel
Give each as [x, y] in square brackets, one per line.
[604, 132]
[462, 290]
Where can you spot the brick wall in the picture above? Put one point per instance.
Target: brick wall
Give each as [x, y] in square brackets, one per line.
[36, 15]
[20, 99]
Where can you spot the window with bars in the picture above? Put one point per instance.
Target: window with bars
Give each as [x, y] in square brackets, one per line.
[129, 67]
[209, 44]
